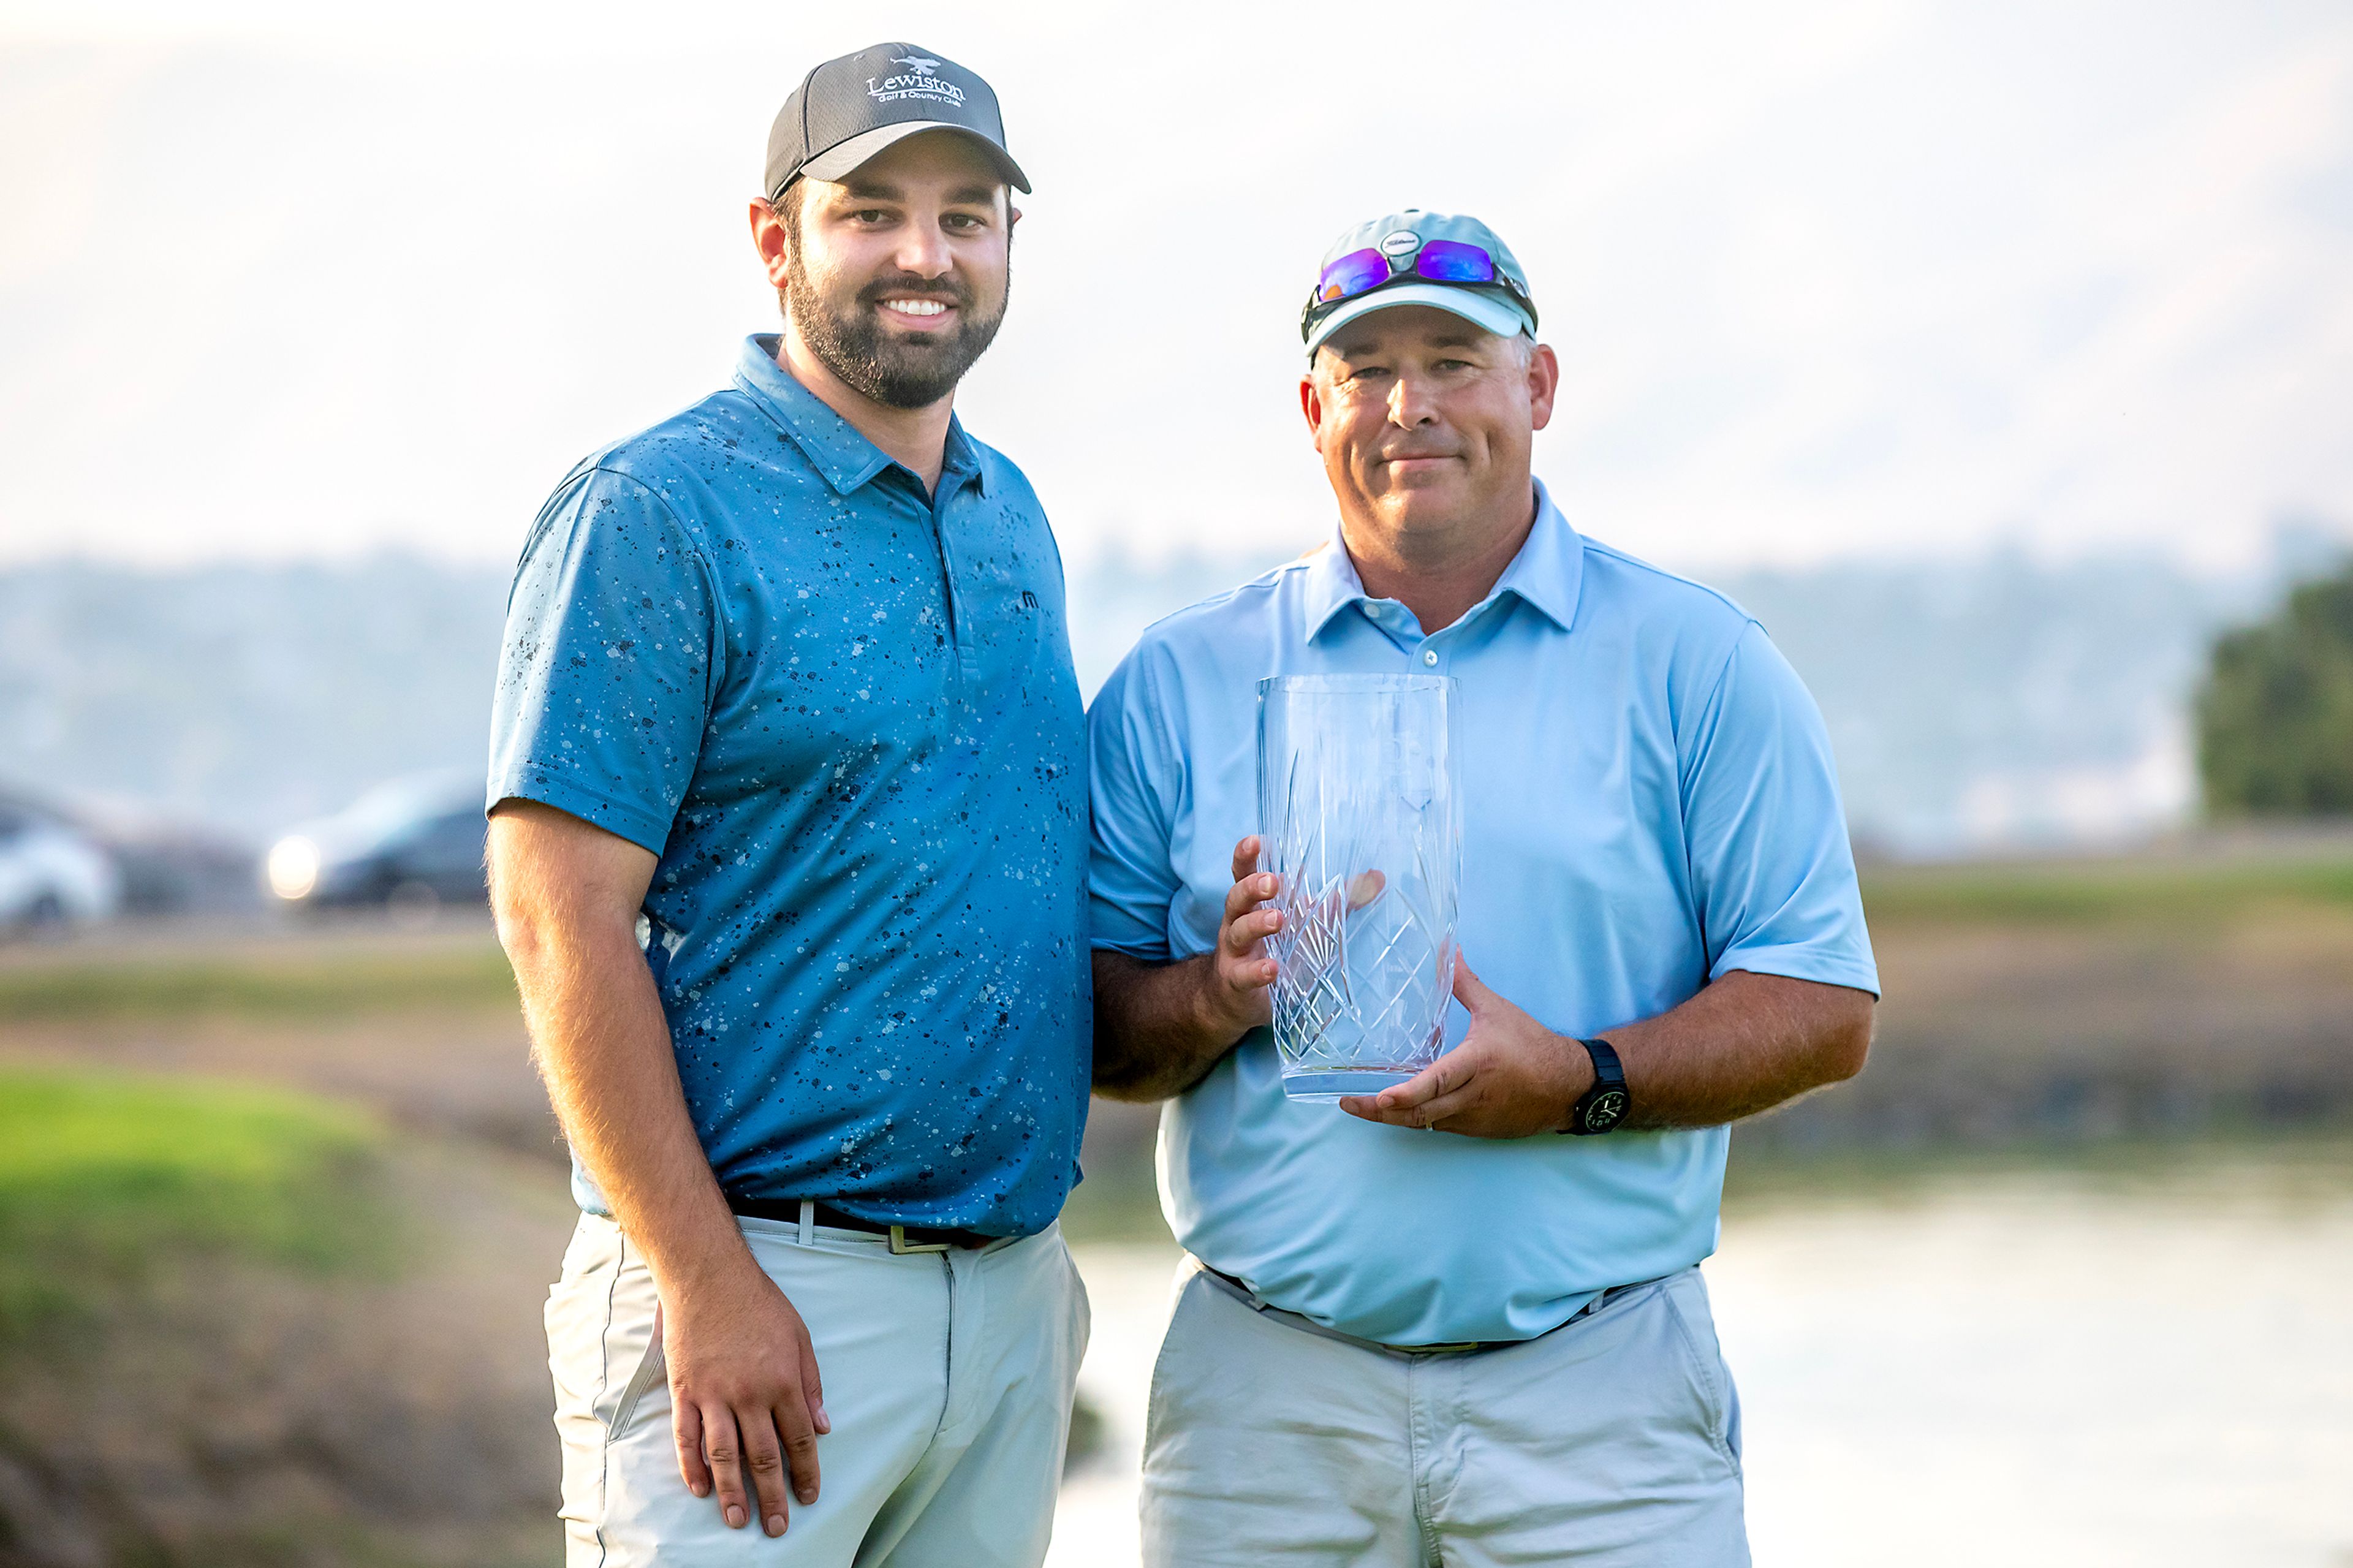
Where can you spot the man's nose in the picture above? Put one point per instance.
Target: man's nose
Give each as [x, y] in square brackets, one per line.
[924, 251]
[1410, 403]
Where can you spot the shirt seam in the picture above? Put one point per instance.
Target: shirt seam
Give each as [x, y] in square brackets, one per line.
[1709, 700]
[1174, 767]
[556, 789]
[1639, 564]
[716, 657]
[1779, 959]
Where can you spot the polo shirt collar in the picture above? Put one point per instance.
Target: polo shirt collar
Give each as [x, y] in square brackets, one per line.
[1550, 567]
[1331, 585]
[1546, 574]
[832, 444]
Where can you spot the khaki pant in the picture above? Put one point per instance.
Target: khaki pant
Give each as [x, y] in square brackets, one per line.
[948, 1377]
[1612, 1442]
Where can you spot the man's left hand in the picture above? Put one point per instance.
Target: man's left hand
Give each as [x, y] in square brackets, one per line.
[1510, 1078]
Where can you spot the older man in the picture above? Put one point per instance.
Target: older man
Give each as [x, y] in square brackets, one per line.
[1427, 1326]
[787, 846]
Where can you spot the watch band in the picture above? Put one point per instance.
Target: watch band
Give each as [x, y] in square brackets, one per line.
[1604, 1105]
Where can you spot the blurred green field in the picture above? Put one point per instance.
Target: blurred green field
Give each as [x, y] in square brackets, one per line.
[286, 981]
[105, 1178]
[2124, 890]
[340, 976]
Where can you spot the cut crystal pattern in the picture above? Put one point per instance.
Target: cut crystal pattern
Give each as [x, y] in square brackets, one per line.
[1357, 816]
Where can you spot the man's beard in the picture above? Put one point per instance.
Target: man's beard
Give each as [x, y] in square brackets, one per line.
[895, 373]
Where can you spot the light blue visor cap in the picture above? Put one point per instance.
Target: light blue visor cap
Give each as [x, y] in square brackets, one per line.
[1404, 233]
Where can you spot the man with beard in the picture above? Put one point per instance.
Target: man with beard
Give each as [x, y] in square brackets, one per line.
[786, 844]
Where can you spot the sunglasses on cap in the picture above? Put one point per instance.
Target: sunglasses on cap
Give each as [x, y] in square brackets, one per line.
[1452, 261]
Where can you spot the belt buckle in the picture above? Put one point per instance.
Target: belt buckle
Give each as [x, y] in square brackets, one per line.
[901, 1248]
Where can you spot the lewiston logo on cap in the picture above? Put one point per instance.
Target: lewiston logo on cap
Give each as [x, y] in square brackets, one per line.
[919, 83]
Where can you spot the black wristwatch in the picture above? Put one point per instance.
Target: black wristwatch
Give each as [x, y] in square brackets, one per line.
[1603, 1106]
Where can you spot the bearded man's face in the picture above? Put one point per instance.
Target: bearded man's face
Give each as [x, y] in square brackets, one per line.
[898, 277]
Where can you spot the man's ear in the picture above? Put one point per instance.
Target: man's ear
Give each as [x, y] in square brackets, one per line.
[1311, 404]
[1544, 384]
[772, 237]
[1012, 216]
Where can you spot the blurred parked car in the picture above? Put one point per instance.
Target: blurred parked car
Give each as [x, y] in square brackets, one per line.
[412, 844]
[52, 874]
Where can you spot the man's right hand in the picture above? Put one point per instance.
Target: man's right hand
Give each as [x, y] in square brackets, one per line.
[1161, 1027]
[1239, 972]
[744, 1393]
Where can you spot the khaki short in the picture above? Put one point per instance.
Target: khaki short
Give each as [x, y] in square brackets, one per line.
[948, 1377]
[1612, 1442]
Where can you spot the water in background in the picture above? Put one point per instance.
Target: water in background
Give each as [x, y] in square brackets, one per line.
[2146, 1370]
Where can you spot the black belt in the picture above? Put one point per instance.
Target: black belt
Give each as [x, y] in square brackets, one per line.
[903, 1237]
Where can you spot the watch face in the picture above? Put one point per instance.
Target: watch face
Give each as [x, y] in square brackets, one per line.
[1607, 1107]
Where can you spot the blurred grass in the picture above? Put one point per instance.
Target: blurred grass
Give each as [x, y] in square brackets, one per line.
[296, 983]
[1120, 1199]
[2140, 890]
[309, 981]
[105, 1178]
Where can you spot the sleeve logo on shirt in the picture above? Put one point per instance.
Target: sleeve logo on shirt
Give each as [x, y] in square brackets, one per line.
[918, 83]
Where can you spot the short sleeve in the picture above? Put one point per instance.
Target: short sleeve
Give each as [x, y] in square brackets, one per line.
[1133, 775]
[605, 677]
[1770, 861]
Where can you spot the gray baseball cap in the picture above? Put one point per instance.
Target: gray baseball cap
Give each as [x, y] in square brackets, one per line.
[847, 111]
[1448, 260]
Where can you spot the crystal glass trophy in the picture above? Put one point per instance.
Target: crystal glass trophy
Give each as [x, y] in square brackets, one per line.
[1359, 814]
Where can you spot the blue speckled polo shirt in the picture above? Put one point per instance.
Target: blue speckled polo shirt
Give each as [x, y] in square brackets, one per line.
[842, 713]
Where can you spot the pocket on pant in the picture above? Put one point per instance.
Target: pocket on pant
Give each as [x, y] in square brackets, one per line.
[603, 1355]
[1685, 1299]
[1082, 1310]
[651, 1369]
[579, 1307]
[1163, 1392]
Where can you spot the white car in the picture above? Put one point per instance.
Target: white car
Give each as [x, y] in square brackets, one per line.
[52, 875]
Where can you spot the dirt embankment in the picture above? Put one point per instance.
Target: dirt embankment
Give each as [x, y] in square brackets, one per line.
[220, 1409]
[2018, 1031]
[231, 1412]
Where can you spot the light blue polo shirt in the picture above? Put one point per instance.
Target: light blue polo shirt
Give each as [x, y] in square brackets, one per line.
[1648, 802]
[841, 711]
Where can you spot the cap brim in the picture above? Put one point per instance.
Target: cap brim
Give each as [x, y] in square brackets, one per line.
[1498, 316]
[843, 157]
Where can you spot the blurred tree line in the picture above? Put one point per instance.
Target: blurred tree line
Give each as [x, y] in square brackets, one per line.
[2275, 714]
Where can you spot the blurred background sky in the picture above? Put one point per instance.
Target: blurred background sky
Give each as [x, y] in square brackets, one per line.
[297, 279]
[1995, 353]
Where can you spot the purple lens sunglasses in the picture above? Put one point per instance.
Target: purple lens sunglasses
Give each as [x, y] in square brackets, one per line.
[1452, 262]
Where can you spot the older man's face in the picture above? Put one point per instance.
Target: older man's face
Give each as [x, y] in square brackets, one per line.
[1425, 422]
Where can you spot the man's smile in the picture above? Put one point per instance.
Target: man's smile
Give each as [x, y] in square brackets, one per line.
[1418, 462]
[914, 311]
